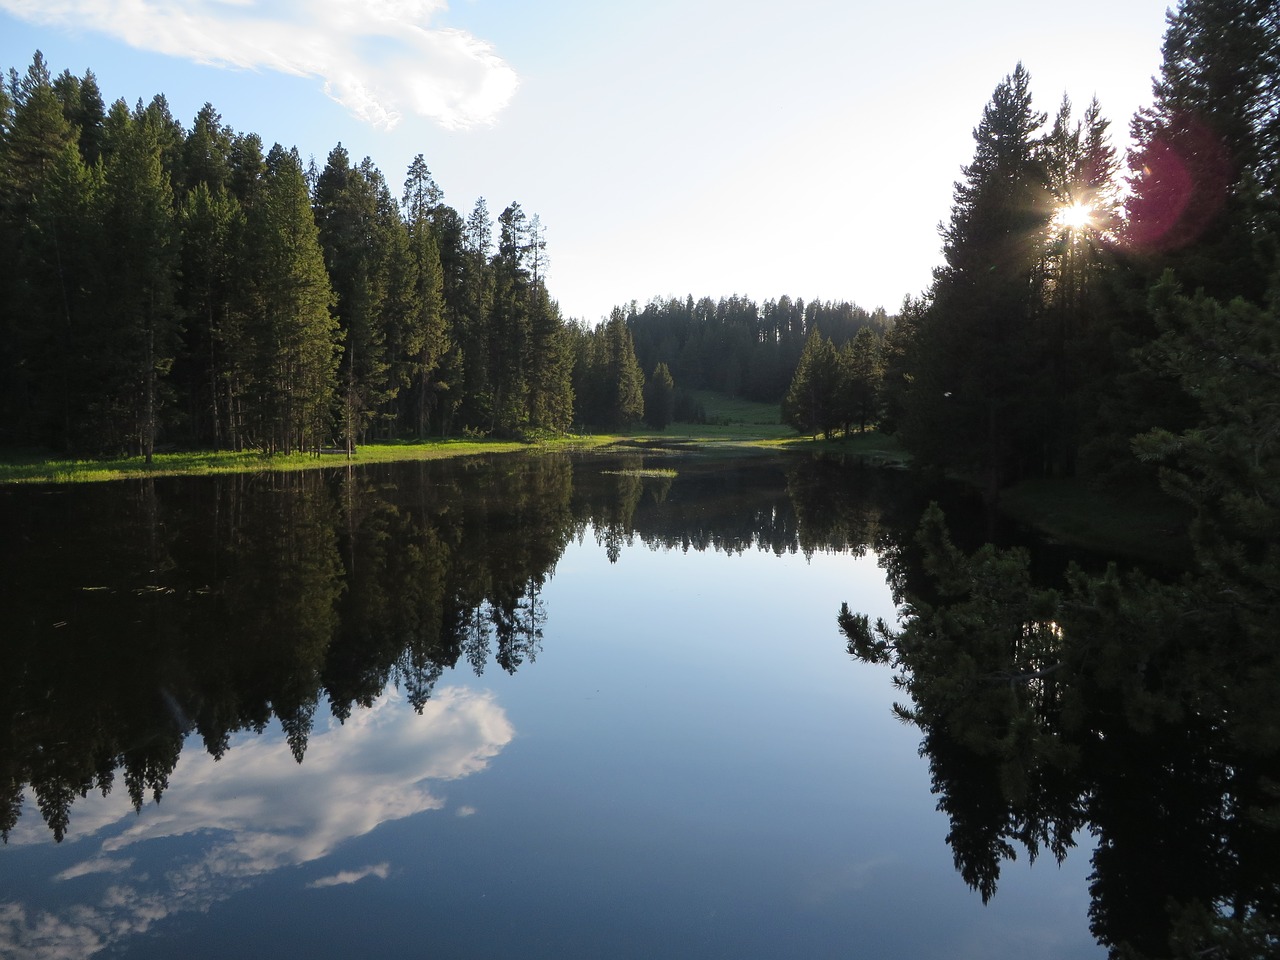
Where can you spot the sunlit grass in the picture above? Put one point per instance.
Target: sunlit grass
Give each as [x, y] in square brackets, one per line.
[32, 468]
[656, 473]
[734, 425]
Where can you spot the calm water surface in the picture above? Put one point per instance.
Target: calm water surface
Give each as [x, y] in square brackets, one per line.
[537, 707]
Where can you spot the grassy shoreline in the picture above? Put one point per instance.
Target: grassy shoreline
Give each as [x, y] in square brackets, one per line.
[734, 425]
[1068, 511]
[32, 467]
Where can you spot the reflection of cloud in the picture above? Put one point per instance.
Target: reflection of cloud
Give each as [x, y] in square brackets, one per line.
[379, 870]
[96, 865]
[377, 58]
[255, 811]
[465, 811]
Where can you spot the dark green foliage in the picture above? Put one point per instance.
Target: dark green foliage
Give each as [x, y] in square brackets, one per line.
[735, 346]
[980, 362]
[1208, 152]
[813, 401]
[862, 374]
[659, 398]
[608, 384]
[137, 318]
[164, 288]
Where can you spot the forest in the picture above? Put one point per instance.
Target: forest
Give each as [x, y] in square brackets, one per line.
[191, 288]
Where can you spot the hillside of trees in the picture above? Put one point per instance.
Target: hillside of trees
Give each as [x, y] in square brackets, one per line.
[736, 346]
[189, 287]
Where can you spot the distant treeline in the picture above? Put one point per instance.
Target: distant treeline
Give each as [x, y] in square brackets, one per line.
[188, 287]
[736, 346]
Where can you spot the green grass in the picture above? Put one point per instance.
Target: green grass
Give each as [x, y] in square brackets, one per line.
[656, 473]
[734, 425]
[33, 468]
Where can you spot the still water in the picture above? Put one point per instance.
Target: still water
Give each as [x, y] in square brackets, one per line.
[519, 707]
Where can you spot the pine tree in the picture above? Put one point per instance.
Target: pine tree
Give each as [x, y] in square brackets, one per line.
[212, 225]
[659, 398]
[509, 326]
[624, 376]
[140, 340]
[863, 372]
[48, 241]
[980, 361]
[812, 403]
[295, 350]
[1208, 153]
[354, 238]
[550, 377]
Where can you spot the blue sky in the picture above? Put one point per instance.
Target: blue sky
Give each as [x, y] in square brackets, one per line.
[709, 147]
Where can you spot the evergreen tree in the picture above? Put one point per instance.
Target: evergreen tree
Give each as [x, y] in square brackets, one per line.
[1208, 150]
[213, 230]
[354, 240]
[295, 338]
[1079, 267]
[980, 364]
[623, 374]
[139, 340]
[417, 323]
[659, 398]
[48, 240]
[862, 369]
[509, 327]
[812, 403]
[551, 377]
[899, 350]
[206, 152]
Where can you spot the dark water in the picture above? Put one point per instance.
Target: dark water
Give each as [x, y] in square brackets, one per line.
[519, 707]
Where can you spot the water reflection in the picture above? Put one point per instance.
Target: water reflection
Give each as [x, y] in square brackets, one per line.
[158, 628]
[1098, 705]
[248, 815]
[145, 612]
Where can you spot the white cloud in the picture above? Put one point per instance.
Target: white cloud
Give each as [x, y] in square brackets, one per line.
[378, 58]
[96, 865]
[379, 870]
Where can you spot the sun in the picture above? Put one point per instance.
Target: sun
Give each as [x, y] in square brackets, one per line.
[1074, 216]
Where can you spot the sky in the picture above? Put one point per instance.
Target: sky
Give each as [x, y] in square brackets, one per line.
[705, 147]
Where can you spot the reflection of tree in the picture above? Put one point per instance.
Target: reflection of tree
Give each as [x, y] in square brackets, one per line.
[143, 613]
[1108, 701]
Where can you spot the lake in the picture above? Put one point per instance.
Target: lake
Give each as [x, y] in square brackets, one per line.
[522, 706]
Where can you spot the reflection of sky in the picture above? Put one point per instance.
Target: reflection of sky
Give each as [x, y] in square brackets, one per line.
[250, 813]
[701, 771]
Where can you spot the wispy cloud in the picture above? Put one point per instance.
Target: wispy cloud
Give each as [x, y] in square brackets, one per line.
[380, 59]
[379, 870]
[96, 865]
